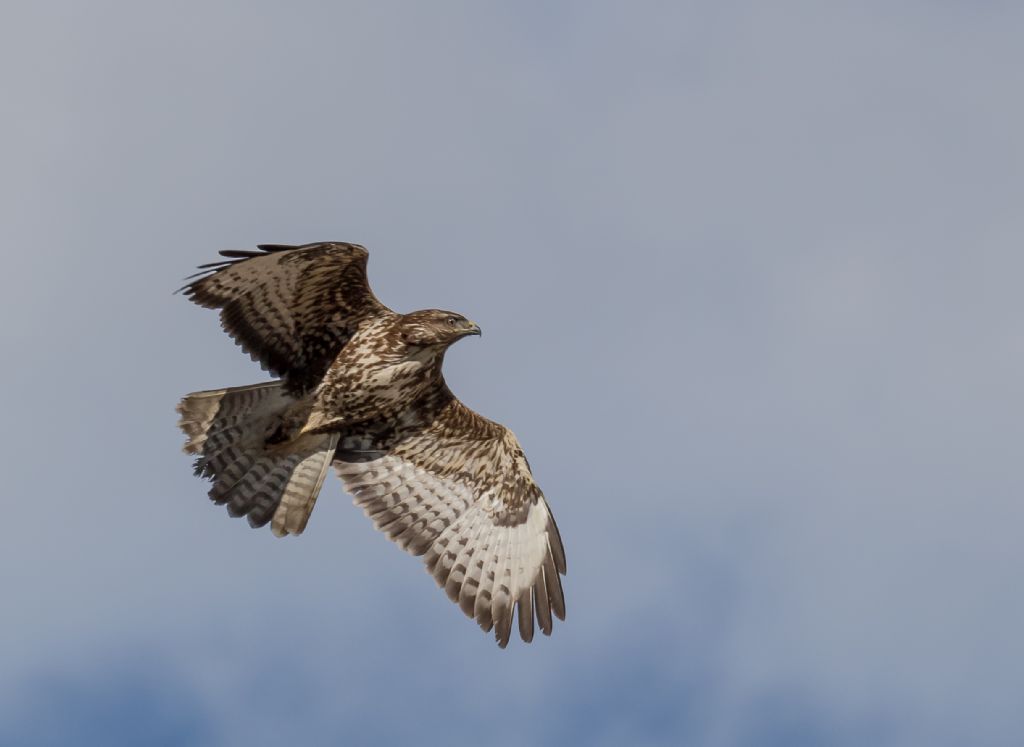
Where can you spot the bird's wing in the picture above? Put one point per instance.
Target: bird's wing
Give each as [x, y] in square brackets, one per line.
[292, 308]
[460, 493]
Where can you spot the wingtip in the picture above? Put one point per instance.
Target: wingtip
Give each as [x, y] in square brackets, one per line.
[236, 253]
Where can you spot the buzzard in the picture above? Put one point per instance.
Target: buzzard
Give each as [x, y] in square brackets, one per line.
[360, 387]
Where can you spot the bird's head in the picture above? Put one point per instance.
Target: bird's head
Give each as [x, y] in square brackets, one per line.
[436, 328]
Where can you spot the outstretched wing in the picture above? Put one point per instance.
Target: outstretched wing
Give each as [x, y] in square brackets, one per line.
[460, 493]
[292, 308]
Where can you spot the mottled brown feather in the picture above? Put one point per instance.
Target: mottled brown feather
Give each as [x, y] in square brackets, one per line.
[456, 488]
[292, 308]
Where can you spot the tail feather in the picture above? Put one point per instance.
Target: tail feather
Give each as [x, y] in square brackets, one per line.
[204, 414]
[258, 497]
[300, 493]
[275, 483]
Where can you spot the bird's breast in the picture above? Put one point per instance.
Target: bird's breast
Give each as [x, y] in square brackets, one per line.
[370, 388]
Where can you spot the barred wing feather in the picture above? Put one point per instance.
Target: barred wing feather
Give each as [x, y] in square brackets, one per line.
[292, 308]
[461, 495]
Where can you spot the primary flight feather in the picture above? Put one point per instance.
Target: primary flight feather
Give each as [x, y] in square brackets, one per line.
[360, 387]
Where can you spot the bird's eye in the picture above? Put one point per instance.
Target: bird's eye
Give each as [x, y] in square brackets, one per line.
[451, 321]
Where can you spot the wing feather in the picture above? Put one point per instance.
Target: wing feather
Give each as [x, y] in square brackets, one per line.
[460, 493]
[291, 308]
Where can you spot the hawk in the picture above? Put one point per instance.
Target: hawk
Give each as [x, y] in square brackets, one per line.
[360, 387]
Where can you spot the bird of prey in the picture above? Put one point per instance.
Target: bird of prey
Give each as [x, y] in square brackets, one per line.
[360, 386]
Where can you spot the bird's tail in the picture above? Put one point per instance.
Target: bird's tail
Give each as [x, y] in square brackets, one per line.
[236, 436]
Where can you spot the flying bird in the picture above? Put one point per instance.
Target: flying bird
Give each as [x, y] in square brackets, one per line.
[360, 386]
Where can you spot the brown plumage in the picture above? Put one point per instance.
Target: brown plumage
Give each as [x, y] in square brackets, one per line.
[361, 387]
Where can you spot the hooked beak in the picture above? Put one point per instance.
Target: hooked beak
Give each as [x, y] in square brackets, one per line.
[474, 329]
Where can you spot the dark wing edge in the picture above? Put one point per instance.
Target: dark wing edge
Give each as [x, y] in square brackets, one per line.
[493, 546]
[291, 308]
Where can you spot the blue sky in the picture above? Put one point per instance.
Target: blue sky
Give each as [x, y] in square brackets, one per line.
[750, 277]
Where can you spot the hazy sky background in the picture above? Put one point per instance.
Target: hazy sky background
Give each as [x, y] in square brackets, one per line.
[750, 276]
